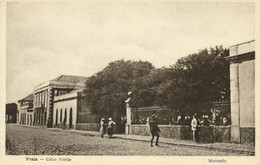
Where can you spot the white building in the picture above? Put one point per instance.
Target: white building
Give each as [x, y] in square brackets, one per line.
[242, 84]
[25, 110]
[65, 109]
[43, 96]
[72, 111]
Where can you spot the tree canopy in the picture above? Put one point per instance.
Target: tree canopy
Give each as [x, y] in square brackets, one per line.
[186, 87]
[198, 79]
[107, 90]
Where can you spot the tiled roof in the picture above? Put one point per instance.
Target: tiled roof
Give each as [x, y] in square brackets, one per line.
[27, 98]
[71, 79]
[68, 81]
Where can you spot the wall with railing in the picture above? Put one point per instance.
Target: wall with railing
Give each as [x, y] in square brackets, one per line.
[206, 134]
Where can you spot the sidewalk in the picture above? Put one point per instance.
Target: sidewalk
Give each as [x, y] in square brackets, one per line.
[228, 147]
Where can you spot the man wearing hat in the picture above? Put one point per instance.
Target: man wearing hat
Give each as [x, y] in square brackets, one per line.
[154, 129]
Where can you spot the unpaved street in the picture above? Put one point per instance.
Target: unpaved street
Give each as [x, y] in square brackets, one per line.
[22, 140]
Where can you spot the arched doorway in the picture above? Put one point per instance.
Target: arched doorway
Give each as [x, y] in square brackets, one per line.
[56, 124]
[60, 115]
[70, 120]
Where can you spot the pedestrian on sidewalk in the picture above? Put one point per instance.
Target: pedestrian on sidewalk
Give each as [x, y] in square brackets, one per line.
[110, 127]
[102, 127]
[148, 121]
[194, 124]
[154, 129]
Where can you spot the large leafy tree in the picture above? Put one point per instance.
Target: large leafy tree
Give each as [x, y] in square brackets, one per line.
[186, 87]
[107, 90]
[145, 89]
[198, 79]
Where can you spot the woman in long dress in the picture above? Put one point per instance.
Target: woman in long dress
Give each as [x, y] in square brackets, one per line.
[102, 127]
[110, 127]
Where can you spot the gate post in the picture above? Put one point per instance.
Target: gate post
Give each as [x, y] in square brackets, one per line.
[235, 108]
[242, 91]
[128, 115]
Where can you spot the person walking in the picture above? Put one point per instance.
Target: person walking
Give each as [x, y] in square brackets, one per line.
[110, 127]
[154, 130]
[102, 127]
[194, 124]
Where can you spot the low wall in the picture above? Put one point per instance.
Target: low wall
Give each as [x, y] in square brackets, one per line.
[207, 134]
[61, 126]
[168, 131]
[247, 135]
[222, 134]
[87, 126]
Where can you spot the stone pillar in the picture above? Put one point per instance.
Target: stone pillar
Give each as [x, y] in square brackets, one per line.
[128, 117]
[17, 118]
[242, 82]
[235, 110]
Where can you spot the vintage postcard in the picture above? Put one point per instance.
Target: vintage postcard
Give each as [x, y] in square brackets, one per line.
[129, 82]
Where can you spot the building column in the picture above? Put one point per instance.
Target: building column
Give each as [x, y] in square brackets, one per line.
[235, 109]
[50, 107]
[17, 118]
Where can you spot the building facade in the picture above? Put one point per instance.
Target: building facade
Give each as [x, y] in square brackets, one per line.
[25, 110]
[242, 85]
[44, 94]
[11, 113]
[65, 110]
[71, 112]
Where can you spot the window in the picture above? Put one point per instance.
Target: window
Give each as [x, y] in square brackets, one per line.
[55, 93]
[35, 97]
[46, 98]
[35, 100]
[62, 92]
[43, 98]
[40, 102]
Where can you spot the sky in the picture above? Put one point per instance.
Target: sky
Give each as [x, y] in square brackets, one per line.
[46, 40]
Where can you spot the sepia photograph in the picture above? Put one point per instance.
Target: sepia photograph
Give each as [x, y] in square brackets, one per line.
[129, 78]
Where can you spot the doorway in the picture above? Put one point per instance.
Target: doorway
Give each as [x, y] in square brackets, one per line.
[56, 124]
[70, 119]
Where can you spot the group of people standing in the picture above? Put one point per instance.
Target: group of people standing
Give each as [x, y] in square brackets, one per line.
[110, 127]
[154, 129]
